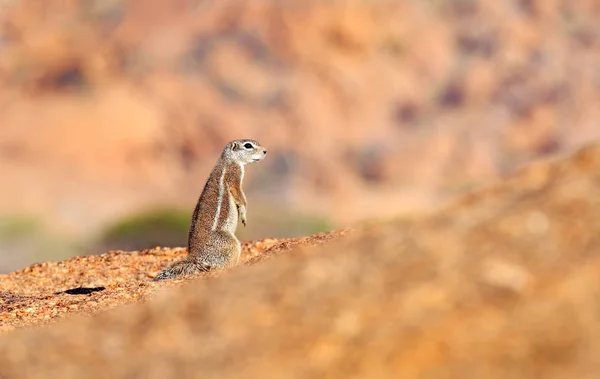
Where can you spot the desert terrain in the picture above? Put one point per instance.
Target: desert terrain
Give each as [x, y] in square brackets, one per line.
[115, 109]
[501, 283]
[429, 207]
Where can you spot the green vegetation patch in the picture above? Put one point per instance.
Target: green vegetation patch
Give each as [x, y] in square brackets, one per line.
[25, 239]
[161, 227]
[15, 227]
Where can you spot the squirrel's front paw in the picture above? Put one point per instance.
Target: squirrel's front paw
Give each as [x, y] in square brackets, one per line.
[242, 212]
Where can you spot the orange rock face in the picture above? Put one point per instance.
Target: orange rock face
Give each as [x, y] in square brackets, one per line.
[108, 107]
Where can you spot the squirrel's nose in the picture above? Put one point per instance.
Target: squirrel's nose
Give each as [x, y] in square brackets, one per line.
[265, 151]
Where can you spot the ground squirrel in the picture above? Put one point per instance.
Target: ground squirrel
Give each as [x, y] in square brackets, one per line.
[211, 239]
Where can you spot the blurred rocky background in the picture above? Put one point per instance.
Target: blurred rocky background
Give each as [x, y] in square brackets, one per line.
[113, 112]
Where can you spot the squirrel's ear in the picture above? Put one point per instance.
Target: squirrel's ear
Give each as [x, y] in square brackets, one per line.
[235, 146]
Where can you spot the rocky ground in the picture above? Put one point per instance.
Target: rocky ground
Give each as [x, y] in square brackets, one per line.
[502, 283]
[45, 292]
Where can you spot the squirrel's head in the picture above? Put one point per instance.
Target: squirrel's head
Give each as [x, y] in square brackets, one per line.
[244, 151]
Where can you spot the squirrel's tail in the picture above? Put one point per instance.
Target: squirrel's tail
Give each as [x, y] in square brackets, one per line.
[182, 268]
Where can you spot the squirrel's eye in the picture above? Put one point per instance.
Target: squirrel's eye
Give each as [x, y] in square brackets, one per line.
[248, 145]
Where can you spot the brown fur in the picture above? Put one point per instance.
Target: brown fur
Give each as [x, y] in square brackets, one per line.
[211, 239]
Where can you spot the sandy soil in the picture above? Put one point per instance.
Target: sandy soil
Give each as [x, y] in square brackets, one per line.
[44, 292]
